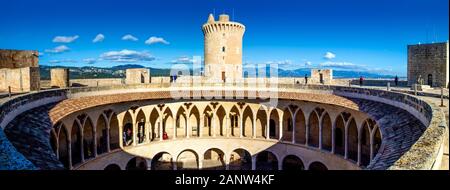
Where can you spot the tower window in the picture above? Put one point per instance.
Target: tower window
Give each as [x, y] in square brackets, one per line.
[223, 49]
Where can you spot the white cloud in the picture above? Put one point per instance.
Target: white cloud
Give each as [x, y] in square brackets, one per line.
[62, 61]
[65, 39]
[129, 37]
[90, 61]
[329, 55]
[283, 62]
[183, 59]
[308, 63]
[127, 56]
[58, 49]
[344, 66]
[154, 40]
[98, 38]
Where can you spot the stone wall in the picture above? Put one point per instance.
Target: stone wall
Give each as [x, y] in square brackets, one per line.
[431, 62]
[327, 76]
[20, 79]
[59, 78]
[137, 76]
[18, 59]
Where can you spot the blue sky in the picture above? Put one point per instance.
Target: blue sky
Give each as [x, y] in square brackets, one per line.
[367, 35]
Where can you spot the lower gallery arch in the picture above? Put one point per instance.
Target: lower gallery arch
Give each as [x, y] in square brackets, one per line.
[75, 138]
[234, 122]
[127, 130]
[365, 142]
[339, 135]
[195, 122]
[140, 127]
[273, 124]
[377, 138]
[207, 122]
[154, 123]
[247, 125]
[181, 123]
[213, 159]
[240, 159]
[292, 162]
[168, 124]
[287, 125]
[261, 123]
[326, 132]
[266, 160]
[112, 167]
[317, 166]
[137, 163]
[88, 139]
[53, 141]
[63, 147]
[220, 121]
[162, 161]
[114, 133]
[187, 160]
[300, 127]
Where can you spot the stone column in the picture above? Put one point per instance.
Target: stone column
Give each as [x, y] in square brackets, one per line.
[69, 151]
[346, 141]
[372, 133]
[82, 146]
[95, 139]
[227, 125]
[333, 138]
[254, 127]
[174, 128]
[320, 133]
[359, 150]
[294, 125]
[268, 126]
[160, 118]
[254, 162]
[146, 131]
[202, 124]
[213, 124]
[135, 129]
[121, 135]
[188, 124]
[307, 132]
[241, 126]
[108, 128]
[280, 127]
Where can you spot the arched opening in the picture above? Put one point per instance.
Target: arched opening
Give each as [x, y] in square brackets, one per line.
[187, 160]
[114, 133]
[162, 161]
[365, 142]
[168, 124]
[326, 132]
[154, 122]
[287, 125]
[195, 122]
[339, 136]
[352, 140]
[63, 147]
[127, 130]
[240, 159]
[266, 160]
[313, 135]
[376, 142]
[208, 122]
[273, 124]
[317, 166]
[247, 126]
[112, 167]
[53, 141]
[213, 159]
[101, 134]
[292, 162]
[220, 121]
[140, 124]
[300, 127]
[234, 122]
[261, 123]
[137, 163]
[430, 80]
[181, 123]
[88, 141]
[76, 143]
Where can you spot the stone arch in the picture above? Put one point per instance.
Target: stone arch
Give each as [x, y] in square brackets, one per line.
[288, 125]
[266, 160]
[101, 134]
[292, 162]
[181, 123]
[313, 125]
[234, 122]
[352, 140]
[168, 124]
[127, 130]
[364, 134]
[140, 127]
[300, 127]
[54, 141]
[88, 139]
[137, 163]
[112, 167]
[194, 120]
[326, 132]
[187, 160]
[339, 135]
[220, 121]
[317, 166]
[114, 132]
[261, 123]
[75, 138]
[154, 123]
[377, 140]
[63, 146]
[207, 123]
[240, 159]
[274, 124]
[162, 161]
[214, 159]
[247, 126]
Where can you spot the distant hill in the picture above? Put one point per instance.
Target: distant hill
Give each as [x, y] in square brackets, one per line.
[119, 72]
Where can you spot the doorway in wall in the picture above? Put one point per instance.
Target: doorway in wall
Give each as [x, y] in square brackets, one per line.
[430, 80]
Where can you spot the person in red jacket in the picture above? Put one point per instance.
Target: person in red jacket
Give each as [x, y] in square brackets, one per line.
[361, 79]
[165, 136]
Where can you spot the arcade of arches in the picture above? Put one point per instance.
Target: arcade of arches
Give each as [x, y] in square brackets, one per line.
[337, 131]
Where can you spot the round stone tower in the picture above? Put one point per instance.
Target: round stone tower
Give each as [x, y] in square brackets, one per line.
[223, 49]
